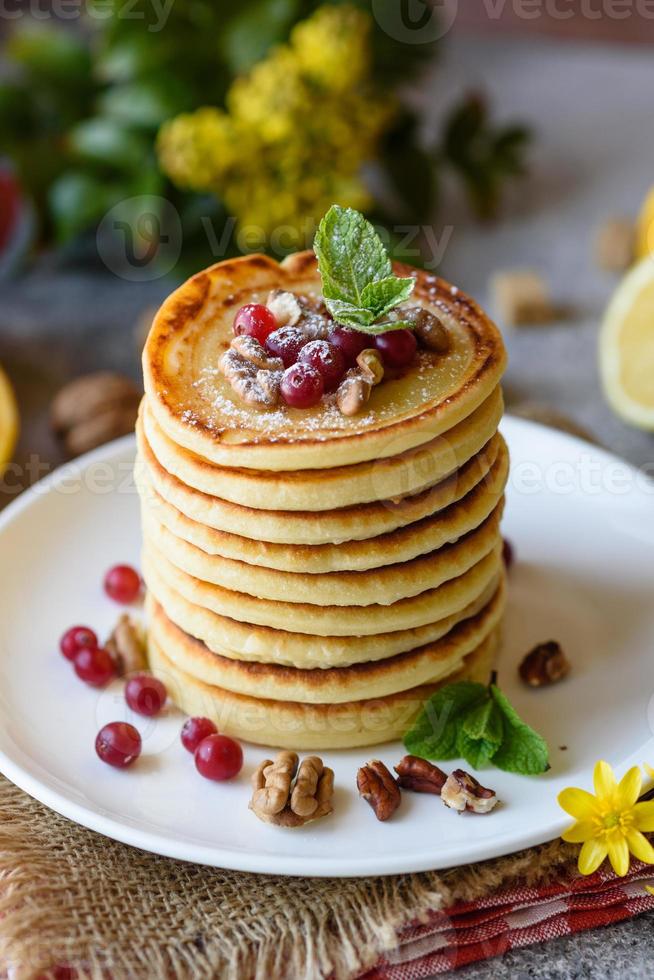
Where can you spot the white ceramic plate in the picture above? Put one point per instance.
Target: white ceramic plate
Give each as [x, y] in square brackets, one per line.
[582, 523]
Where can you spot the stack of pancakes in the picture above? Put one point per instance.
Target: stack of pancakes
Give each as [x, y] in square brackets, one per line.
[312, 578]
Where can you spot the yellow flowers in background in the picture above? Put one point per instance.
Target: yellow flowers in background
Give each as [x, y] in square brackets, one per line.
[296, 130]
[610, 823]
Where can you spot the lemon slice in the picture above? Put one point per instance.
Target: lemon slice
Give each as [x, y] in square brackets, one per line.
[645, 227]
[626, 347]
[8, 421]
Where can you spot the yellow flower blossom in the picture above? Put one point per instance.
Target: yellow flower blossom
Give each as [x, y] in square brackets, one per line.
[199, 149]
[333, 47]
[611, 822]
[296, 132]
[649, 770]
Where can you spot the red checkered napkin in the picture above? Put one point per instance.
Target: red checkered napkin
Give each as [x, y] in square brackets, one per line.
[479, 930]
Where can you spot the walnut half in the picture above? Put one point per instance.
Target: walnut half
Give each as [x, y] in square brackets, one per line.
[277, 800]
[94, 409]
[242, 376]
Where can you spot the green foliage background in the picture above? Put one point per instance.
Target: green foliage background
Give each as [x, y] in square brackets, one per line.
[81, 107]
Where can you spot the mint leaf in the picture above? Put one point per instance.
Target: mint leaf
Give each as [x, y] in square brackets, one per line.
[383, 294]
[357, 279]
[350, 254]
[485, 722]
[477, 752]
[434, 735]
[522, 750]
[348, 313]
[478, 723]
[385, 326]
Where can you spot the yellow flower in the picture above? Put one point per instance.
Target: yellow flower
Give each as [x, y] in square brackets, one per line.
[297, 130]
[611, 822]
[333, 46]
[649, 770]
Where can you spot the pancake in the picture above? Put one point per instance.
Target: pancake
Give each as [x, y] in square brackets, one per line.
[298, 726]
[382, 586]
[299, 617]
[370, 679]
[401, 545]
[314, 527]
[196, 407]
[338, 486]
[243, 641]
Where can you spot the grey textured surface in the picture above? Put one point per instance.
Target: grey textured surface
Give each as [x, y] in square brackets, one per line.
[591, 110]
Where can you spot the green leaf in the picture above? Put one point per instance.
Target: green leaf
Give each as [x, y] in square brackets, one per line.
[522, 750]
[382, 295]
[348, 313]
[357, 279]
[141, 104]
[485, 722]
[350, 255]
[477, 752]
[77, 201]
[106, 141]
[253, 29]
[435, 733]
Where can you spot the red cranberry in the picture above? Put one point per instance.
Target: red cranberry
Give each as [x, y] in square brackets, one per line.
[255, 320]
[287, 342]
[397, 347]
[302, 386]
[75, 639]
[218, 757]
[195, 730]
[145, 694]
[325, 358]
[118, 744]
[507, 553]
[94, 666]
[122, 583]
[349, 342]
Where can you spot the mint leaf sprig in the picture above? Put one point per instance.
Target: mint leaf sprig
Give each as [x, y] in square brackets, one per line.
[478, 723]
[358, 284]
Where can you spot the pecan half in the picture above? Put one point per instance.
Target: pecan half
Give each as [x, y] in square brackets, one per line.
[429, 330]
[419, 776]
[462, 791]
[371, 365]
[352, 393]
[126, 644]
[378, 788]
[545, 664]
[276, 800]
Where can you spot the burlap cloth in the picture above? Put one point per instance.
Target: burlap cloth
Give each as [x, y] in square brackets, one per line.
[71, 897]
